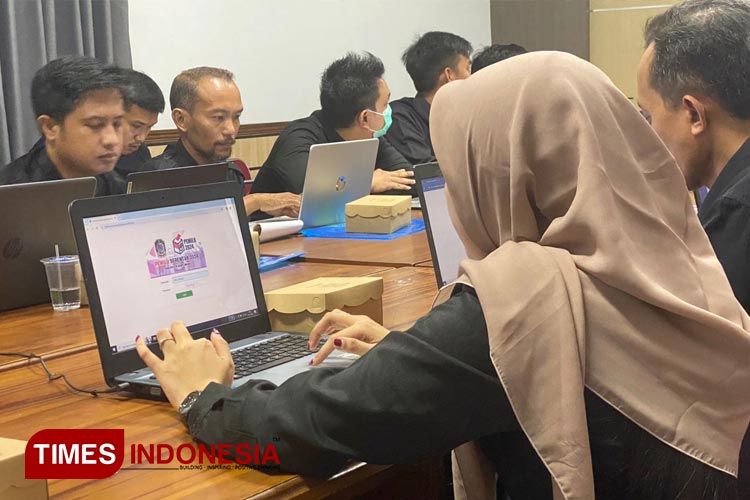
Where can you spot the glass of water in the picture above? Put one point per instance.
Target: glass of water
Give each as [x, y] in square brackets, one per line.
[63, 280]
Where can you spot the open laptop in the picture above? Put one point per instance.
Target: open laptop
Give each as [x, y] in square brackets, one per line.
[337, 173]
[35, 218]
[445, 245]
[139, 182]
[700, 195]
[151, 258]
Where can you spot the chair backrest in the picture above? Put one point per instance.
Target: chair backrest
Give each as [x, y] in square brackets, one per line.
[245, 172]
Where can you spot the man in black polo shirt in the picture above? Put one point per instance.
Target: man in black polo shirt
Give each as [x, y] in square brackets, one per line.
[206, 108]
[354, 105]
[143, 103]
[693, 88]
[79, 110]
[435, 59]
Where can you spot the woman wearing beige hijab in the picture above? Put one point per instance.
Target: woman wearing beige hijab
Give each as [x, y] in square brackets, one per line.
[594, 348]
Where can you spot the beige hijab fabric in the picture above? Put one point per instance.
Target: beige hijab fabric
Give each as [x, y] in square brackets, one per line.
[590, 266]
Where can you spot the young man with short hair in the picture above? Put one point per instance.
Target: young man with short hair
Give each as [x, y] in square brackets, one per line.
[143, 103]
[206, 108]
[354, 105]
[494, 53]
[693, 89]
[79, 110]
[435, 59]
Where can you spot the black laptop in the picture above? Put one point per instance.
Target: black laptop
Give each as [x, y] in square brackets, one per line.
[35, 218]
[151, 258]
[445, 245]
[149, 180]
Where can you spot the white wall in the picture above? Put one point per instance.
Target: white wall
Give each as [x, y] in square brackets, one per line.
[278, 49]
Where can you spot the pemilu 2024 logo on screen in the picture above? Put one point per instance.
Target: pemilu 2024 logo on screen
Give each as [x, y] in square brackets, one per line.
[75, 453]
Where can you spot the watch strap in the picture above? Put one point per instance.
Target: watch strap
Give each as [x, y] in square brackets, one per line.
[187, 405]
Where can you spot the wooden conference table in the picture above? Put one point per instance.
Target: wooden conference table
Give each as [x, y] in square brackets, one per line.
[401, 252]
[28, 403]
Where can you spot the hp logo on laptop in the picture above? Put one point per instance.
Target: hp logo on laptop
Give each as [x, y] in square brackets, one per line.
[341, 183]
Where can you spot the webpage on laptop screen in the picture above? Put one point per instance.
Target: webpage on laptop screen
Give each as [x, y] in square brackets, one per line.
[155, 266]
[450, 251]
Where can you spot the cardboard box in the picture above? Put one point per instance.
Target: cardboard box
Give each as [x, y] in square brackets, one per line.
[298, 308]
[378, 214]
[13, 484]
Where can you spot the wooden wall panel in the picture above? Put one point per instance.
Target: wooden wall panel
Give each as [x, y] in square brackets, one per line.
[616, 37]
[609, 33]
[253, 150]
[166, 136]
[542, 24]
[629, 4]
[156, 150]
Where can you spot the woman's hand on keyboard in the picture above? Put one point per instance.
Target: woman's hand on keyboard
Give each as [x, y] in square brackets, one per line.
[346, 332]
[189, 364]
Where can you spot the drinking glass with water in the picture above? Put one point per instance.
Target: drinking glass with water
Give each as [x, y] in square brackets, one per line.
[63, 280]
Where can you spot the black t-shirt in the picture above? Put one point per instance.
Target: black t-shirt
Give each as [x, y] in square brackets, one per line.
[175, 155]
[410, 131]
[35, 166]
[134, 162]
[725, 215]
[285, 168]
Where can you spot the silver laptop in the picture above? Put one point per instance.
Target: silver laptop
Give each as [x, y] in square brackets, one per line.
[35, 218]
[184, 253]
[337, 173]
[445, 246]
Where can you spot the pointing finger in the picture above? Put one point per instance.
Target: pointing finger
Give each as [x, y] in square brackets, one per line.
[148, 357]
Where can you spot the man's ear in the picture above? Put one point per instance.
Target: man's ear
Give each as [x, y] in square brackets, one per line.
[48, 127]
[450, 74]
[363, 119]
[180, 118]
[696, 112]
[445, 76]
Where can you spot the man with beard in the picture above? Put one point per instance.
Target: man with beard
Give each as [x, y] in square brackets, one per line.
[206, 109]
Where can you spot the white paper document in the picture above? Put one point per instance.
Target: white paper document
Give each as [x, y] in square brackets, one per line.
[277, 228]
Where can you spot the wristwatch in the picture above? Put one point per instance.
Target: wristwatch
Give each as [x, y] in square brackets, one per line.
[187, 405]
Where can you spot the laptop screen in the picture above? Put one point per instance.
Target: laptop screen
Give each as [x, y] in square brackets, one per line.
[183, 262]
[700, 195]
[448, 249]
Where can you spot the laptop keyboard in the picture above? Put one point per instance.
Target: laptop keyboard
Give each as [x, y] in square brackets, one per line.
[277, 351]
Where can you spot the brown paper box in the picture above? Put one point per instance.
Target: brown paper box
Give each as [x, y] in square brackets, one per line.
[298, 307]
[378, 214]
[13, 484]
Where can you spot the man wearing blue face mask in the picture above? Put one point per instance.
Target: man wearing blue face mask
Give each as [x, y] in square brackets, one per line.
[354, 105]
